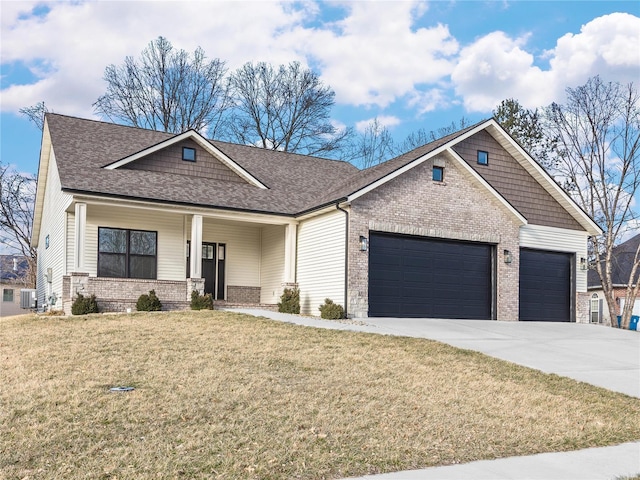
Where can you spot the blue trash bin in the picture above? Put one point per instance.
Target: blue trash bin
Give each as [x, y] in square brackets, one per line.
[633, 324]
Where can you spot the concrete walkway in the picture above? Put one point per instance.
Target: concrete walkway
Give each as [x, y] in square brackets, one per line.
[601, 356]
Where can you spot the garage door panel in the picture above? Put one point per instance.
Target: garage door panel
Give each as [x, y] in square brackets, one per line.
[545, 285]
[439, 279]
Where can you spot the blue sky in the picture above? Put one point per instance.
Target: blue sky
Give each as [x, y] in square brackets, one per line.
[411, 64]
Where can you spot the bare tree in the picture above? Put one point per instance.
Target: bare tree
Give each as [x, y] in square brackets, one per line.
[166, 89]
[286, 109]
[17, 196]
[598, 156]
[421, 137]
[527, 128]
[371, 147]
[35, 114]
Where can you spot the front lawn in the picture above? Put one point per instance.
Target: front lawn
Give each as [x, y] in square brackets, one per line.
[223, 395]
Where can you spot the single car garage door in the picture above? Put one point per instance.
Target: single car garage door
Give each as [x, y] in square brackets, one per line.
[545, 285]
[425, 278]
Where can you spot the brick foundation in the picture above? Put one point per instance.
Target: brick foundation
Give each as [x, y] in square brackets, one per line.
[243, 295]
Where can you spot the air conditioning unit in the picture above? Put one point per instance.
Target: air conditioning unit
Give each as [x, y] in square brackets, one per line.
[28, 298]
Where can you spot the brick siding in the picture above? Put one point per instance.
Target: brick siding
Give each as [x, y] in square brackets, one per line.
[456, 209]
[120, 294]
[240, 295]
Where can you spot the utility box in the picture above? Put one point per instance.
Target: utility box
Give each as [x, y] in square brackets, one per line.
[28, 298]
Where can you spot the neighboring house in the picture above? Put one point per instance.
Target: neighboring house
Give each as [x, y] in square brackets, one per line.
[622, 258]
[13, 270]
[468, 226]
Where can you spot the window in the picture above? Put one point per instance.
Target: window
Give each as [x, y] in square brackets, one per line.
[7, 294]
[438, 174]
[483, 158]
[126, 253]
[46, 242]
[189, 154]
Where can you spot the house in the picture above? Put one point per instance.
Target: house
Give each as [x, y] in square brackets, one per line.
[468, 226]
[13, 272]
[622, 259]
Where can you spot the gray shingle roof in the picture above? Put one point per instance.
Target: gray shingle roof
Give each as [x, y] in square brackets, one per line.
[622, 258]
[82, 147]
[297, 183]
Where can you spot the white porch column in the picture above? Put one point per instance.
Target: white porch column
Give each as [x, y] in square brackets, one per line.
[290, 247]
[80, 235]
[195, 256]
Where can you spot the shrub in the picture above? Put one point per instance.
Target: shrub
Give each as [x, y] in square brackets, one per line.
[330, 310]
[289, 301]
[201, 302]
[148, 303]
[83, 305]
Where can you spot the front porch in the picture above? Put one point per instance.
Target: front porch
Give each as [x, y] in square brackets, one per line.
[241, 259]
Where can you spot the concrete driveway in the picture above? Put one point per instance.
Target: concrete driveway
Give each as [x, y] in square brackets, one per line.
[594, 354]
[599, 355]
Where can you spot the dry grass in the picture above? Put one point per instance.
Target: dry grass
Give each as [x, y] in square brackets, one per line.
[221, 395]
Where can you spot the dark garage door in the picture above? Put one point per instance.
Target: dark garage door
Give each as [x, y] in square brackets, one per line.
[545, 286]
[417, 277]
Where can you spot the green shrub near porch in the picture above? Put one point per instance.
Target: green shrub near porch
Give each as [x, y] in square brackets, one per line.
[289, 301]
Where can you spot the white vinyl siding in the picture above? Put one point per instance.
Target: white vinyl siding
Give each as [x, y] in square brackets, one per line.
[272, 266]
[242, 261]
[170, 248]
[636, 306]
[321, 261]
[53, 226]
[558, 240]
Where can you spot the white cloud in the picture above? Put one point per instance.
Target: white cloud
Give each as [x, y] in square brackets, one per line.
[607, 46]
[383, 121]
[496, 67]
[375, 55]
[76, 41]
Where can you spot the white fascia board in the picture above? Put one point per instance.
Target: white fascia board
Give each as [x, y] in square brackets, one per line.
[200, 140]
[46, 152]
[236, 216]
[443, 148]
[395, 174]
[543, 178]
[416, 162]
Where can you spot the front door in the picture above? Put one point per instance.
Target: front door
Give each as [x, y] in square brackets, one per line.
[213, 268]
[209, 267]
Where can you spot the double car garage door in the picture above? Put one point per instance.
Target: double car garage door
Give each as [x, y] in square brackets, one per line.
[417, 277]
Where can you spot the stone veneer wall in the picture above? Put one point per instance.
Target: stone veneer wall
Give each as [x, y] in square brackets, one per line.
[455, 209]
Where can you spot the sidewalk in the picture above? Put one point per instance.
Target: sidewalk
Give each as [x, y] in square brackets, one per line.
[605, 357]
[606, 463]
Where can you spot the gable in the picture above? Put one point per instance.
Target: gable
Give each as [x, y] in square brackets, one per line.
[457, 208]
[169, 160]
[514, 183]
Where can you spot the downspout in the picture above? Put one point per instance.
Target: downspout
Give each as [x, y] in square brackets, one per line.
[346, 259]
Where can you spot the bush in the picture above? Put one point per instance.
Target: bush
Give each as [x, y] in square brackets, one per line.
[330, 310]
[83, 305]
[148, 303]
[201, 302]
[289, 301]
